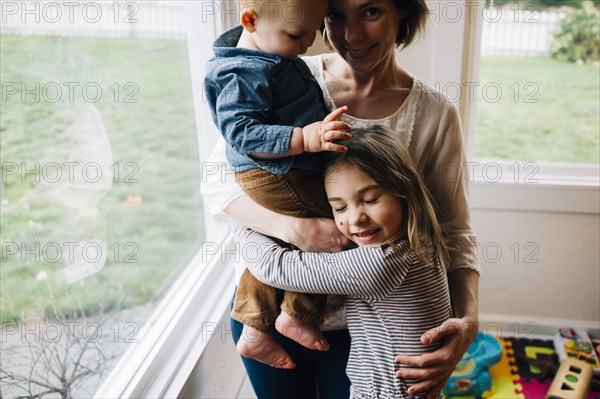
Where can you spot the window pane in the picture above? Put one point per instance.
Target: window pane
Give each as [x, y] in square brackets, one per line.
[101, 207]
[534, 103]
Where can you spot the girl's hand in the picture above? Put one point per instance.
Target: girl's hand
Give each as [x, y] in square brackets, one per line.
[317, 235]
[434, 369]
[318, 136]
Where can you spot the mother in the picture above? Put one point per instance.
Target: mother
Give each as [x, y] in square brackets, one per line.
[364, 75]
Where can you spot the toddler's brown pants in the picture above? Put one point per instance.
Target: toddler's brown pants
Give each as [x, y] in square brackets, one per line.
[298, 193]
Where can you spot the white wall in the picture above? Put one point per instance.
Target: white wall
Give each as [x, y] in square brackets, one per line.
[564, 283]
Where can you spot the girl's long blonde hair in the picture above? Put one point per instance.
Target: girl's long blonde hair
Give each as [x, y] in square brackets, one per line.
[378, 154]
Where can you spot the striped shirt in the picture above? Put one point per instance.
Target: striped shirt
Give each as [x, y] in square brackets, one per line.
[392, 299]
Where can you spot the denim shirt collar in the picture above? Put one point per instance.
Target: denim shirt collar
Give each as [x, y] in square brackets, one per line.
[225, 46]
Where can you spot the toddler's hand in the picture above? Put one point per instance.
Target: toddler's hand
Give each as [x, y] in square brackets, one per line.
[318, 136]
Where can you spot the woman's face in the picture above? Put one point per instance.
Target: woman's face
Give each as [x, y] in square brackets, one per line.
[363, 32]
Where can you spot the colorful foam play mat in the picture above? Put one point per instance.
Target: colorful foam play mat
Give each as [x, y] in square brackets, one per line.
[525, 369]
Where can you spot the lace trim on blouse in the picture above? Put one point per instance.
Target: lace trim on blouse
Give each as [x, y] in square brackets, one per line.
[401, 121]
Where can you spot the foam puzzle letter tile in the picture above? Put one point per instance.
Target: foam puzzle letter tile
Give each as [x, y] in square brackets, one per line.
[504, 373]
[533, 389]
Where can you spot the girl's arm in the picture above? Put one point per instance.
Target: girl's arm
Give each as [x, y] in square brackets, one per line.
[367, 273]
[227, 203]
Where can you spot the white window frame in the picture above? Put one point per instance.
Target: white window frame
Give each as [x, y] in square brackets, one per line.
[178, 331]
[450, 53]
[524, 186]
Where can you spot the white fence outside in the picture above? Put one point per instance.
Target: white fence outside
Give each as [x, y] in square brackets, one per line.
[523, 35]
[505, 33]
[146, 19]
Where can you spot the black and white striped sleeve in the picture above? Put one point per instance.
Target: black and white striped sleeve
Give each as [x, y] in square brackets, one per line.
[367, 273]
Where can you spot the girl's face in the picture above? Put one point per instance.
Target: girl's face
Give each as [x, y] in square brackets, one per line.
[363, 32]
[363, 211]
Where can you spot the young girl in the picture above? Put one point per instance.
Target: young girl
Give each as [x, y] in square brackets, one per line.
[395, 281]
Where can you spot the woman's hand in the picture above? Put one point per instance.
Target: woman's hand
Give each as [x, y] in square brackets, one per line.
[317, 235]
[434, 369]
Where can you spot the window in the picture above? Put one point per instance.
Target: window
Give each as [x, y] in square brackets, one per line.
[539, 86]
[102, 222]
[449, 58]
[545, 168]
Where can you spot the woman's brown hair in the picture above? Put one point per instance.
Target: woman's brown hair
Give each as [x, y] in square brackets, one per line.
[414, 14]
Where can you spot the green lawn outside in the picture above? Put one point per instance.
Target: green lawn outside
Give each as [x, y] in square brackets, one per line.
[562, 126]
[155, 137]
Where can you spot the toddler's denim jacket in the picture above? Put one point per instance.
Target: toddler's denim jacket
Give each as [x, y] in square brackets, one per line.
[256, 100]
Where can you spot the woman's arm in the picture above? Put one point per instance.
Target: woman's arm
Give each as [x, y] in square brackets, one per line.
[368, 273]
[227, 203]
[308, 234]
[444, 166]
[439, 149]
[464, 287]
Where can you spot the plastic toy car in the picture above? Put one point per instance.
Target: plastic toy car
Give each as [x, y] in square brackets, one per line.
[471, 376]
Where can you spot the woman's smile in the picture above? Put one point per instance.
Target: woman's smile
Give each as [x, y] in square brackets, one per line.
[359, 52]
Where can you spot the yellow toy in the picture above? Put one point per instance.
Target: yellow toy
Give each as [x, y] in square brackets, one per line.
[573, 381]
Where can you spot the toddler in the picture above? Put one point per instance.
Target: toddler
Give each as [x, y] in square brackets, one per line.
[270, 110]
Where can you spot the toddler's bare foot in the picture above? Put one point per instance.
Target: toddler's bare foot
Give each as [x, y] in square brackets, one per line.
[305, 334]
[261, 346]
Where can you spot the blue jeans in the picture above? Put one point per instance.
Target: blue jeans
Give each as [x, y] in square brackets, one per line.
[317, 374]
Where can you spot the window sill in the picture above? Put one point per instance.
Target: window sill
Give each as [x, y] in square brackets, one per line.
[175, 336]
[533, 187]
